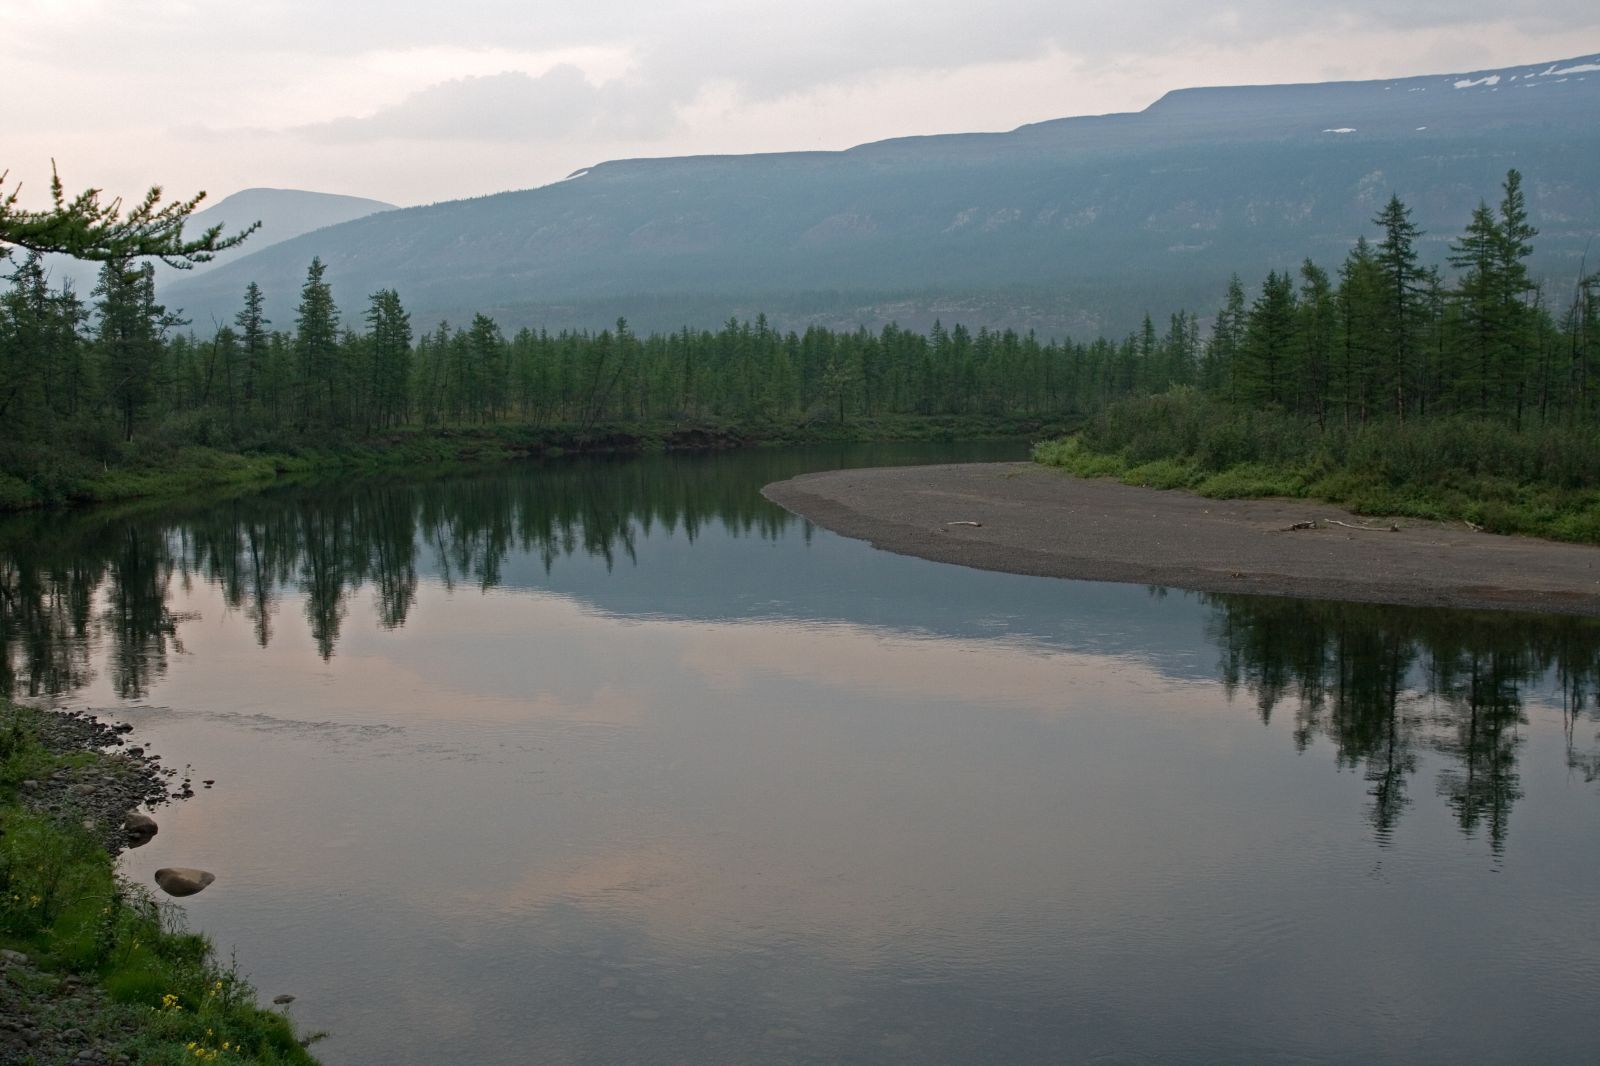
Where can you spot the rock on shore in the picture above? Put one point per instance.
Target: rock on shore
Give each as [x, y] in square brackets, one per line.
[103, 795]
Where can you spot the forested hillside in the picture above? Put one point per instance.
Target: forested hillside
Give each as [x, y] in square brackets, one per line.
[1071, 228]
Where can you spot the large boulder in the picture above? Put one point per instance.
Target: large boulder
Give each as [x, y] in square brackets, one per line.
[183, 880]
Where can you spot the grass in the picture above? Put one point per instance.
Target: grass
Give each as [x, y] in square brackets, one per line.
[1542, 481]
[170, 999]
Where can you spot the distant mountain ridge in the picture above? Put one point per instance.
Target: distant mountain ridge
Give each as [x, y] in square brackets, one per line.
[283, 213]
[1075, 225]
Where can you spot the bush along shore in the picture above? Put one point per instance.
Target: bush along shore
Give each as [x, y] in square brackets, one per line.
[1539, 480]
[140, 473]
[94, 969]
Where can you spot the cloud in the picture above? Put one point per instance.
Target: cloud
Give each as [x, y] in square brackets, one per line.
[510, 106]
[770, 50]
[307, 93]
[766, 47]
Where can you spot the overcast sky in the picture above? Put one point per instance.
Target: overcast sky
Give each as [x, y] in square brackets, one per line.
[413, 101]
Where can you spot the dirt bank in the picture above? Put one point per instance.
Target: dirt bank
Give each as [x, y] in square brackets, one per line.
[1035, 520]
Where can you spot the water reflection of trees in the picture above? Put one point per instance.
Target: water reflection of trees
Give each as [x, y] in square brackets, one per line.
[1385, 684]
[69, 583]
[112, 579]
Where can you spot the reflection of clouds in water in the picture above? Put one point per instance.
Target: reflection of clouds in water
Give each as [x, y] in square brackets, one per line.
[328, 733]
[864, 659]
[554, 657]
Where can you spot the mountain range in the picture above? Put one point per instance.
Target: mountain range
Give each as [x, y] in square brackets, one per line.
[1070, 227]
[283, 214]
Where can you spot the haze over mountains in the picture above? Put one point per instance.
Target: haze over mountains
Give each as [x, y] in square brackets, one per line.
[283, 214]
[1075, 226]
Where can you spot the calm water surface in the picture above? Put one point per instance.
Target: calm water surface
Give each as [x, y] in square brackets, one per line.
[612, 762]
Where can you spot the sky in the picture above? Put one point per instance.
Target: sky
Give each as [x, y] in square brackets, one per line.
[415, 102]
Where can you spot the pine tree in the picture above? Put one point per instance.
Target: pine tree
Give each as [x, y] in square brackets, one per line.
[27, 309]
[389, 332]
[1403, 282]
[1314, 322]
[316, 349]
[224, 371]
[1477, 297]
[1513, 245]
[485, 367]
[1581, 329]
[1359, 338]
[1268, 342]
[252, 323]
[131, 329]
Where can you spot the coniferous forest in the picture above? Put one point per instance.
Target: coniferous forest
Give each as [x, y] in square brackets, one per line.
[1471, 366]
[1387, 386]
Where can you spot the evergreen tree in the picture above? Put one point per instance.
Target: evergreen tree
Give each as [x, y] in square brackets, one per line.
[130, 332]
[1268, 343]
[223, 371]
[28, 313]
[1359, 303]
[1403, 282]
[389, 333]
[252, 322]
[317, 348]
[1581, 331]
[1314, 325]
[1219, 374]
[1513, 245]
[1477, 294]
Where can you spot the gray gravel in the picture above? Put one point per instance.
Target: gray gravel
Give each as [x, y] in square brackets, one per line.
[1032, 519]
[123, 779]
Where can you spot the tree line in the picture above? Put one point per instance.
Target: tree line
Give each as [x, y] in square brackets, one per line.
[1387, 337]
[121, 360]
[1381, 337]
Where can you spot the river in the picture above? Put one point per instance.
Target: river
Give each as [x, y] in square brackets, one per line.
[612, 761]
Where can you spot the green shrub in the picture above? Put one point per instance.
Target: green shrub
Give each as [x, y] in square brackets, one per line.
[1543, 480]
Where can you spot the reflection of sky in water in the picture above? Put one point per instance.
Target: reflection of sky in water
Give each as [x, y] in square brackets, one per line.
[747, 577]
[910, 813]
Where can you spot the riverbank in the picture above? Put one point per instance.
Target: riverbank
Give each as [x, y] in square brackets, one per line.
[1030, 519]
[157, 473]
[94, 969]
[1541, 479]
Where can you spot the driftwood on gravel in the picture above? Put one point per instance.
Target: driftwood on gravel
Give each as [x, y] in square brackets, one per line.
[1390, 528]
